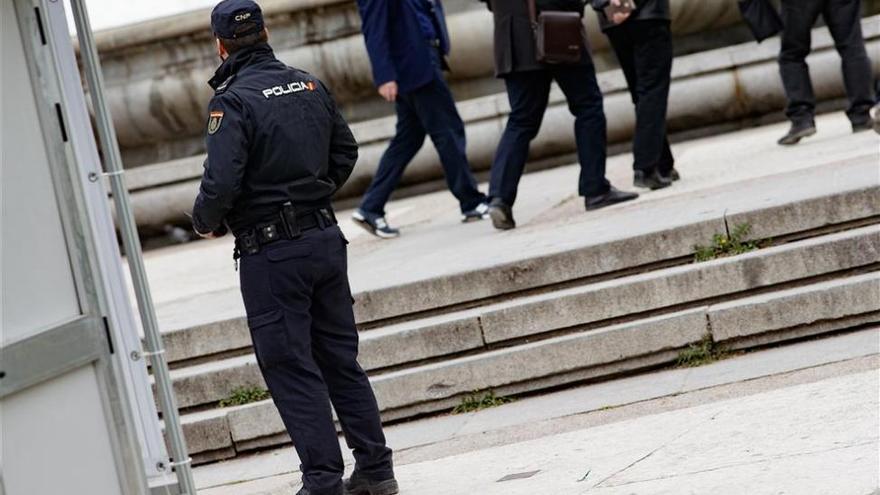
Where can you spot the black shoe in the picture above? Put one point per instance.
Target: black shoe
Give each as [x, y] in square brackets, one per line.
[612, 197]
[798, 131]
[501, 215]
[305, 491]
[650, 180]
[672, 175]
[481, 212]
[374, 224]
[867, 125]
[360, 485]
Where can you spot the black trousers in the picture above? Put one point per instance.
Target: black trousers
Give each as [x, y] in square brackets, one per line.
[426, 111]
[529, 94]
[644, 50]
[842, 18]
[299, 309]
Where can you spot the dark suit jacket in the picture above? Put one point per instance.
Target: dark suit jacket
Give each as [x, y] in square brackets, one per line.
[514, 40]
[396, 44]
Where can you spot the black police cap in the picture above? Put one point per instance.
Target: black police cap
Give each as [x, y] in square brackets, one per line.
[236, 18]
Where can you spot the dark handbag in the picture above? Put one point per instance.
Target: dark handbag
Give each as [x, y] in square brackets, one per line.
[761, 17]
[559, 35]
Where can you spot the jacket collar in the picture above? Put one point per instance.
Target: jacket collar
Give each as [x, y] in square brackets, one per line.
[239, 60]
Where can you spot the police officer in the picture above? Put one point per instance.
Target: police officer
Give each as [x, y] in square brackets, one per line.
[278, 149]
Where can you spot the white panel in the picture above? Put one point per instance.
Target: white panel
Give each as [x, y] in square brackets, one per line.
[55, 439]
[37, 287]
[123, 321]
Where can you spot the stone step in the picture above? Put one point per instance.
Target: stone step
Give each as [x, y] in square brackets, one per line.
[840, 303]
[592, 304]
[581, 261]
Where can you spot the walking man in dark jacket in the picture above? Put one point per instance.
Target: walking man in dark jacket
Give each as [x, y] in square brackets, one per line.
[528, 88]
[842, 18]
[642, 41]
[407, 42]
[278, 149]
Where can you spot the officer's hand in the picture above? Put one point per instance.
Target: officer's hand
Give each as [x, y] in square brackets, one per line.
[209, 235]
[389, 91]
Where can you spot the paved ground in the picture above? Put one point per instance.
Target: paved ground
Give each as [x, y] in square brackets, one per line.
[799, 419]
[808, 439]
[196, 284]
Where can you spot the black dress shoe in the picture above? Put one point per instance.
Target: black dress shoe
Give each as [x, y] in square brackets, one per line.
[672, 175]
[650, 180]
[305, 491]
[612, 197]
[501, 215]
[798, 131]
[361, 485]
[867, 125]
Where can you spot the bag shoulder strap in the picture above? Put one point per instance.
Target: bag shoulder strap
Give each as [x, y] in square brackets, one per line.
[533, 15]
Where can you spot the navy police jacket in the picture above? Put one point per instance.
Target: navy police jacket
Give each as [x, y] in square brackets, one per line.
[274, 134]
[396, 42]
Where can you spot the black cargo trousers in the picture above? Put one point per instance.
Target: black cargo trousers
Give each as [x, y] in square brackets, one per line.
[300, 315]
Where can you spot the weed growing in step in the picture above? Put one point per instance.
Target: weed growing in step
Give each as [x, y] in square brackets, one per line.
[727, 244]
[703, 352]
[477, 402]
[245, 395]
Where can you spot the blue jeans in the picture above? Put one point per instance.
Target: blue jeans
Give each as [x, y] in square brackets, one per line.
[529, 93]
[429, 110]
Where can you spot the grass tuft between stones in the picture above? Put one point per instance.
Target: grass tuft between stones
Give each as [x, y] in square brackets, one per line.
[730, 243]
[245, 395]
[476, 402]
[701, 353]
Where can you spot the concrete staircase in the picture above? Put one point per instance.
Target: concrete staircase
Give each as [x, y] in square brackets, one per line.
[576, 298]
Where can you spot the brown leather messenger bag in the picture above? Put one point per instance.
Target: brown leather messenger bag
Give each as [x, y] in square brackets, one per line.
[559, 35]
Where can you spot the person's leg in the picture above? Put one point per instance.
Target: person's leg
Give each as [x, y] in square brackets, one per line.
[278, 296]
[652, 54]
[335, 349]
[843, 20]
[799, 16]
[623, 44]
[581, 89]
[404, 145]
[667, 160]
[528, 93]
[435, 106]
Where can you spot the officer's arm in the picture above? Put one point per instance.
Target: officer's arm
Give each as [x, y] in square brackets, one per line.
[343, 146]
[375, 25]
[227, 141]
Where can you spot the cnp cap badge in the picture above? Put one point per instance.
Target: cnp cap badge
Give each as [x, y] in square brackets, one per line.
[214, 121]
